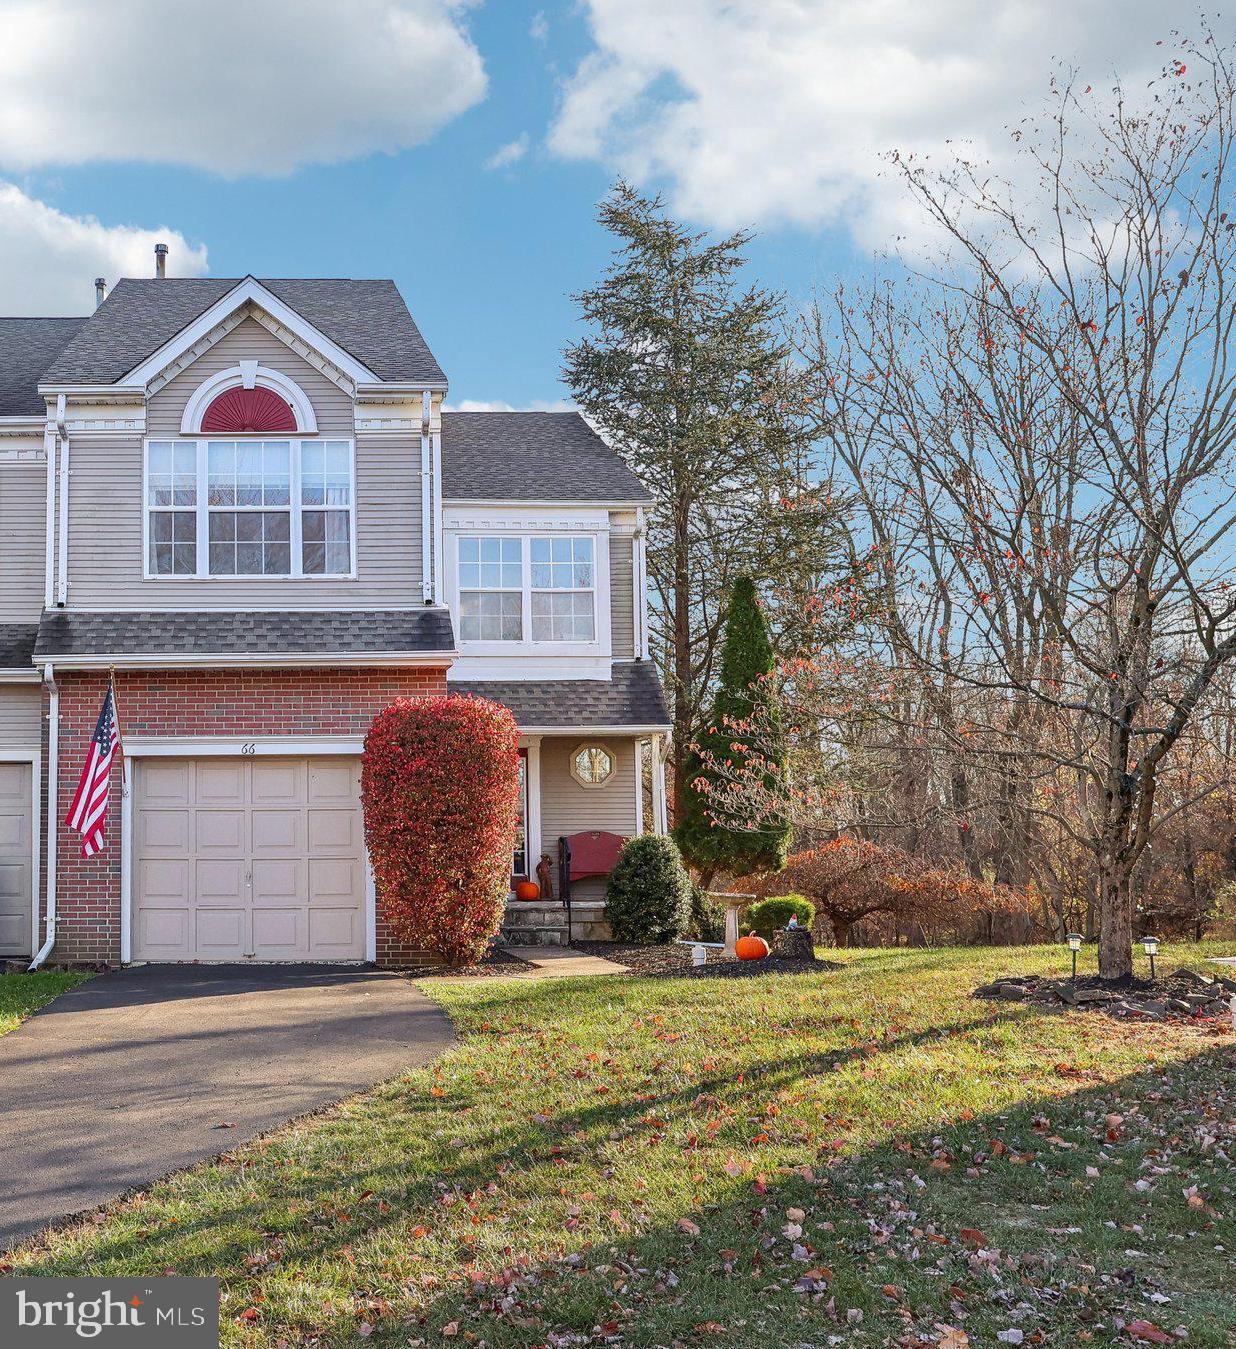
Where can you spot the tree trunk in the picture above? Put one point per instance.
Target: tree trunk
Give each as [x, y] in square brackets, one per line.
[841, 931]
[684, 711]
[1115, 922]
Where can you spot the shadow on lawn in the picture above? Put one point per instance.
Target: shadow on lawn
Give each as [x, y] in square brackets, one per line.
[334, 1218]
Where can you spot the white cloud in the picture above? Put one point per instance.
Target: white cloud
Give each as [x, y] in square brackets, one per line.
[497, 405]
[231, 86]
[510, 153]
[538, 29]
[780, 111]
[51, 259]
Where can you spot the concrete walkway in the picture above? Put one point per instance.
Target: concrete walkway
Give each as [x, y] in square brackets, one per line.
[561, 962]
[136, 1073]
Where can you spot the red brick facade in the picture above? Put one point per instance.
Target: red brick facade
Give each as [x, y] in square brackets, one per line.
[297, 703]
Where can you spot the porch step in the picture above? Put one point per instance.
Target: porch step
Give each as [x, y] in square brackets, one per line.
[544, 923]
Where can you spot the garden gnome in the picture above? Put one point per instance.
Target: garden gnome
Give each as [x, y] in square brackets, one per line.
[545, 877]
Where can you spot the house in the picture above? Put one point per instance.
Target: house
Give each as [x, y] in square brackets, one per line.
[244, 498]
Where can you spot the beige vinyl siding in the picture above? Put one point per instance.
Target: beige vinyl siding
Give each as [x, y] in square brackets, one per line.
[105, 542]
[568, 807]
[23, 522]
[249, 341]
[21, 717]
[622, 595]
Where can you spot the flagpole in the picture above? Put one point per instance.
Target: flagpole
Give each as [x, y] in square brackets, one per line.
[111, 683]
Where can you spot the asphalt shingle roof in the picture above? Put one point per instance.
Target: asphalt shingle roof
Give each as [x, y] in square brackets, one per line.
[531, 456]
[632, 697]
[27, 348]
[75, 633]
[367, 318]
[17, 645]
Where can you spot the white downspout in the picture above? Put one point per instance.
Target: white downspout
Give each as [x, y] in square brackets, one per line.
[62, 575]
[439, 574]
[427, 589]
[53, 809]
[49, 452]
[660, 813]
[640, 558]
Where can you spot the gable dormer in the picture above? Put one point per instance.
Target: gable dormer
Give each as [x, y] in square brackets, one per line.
[251, 445]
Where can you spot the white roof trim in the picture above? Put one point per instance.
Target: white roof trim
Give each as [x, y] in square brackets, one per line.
[248, 374]
[250, 290]
[181, 660]
[554, 503]
[651, 728]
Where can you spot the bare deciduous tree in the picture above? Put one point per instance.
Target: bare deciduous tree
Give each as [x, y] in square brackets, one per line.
[1044, 438]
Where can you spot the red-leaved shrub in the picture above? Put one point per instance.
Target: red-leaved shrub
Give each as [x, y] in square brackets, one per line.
[440, 788]
[851, 880]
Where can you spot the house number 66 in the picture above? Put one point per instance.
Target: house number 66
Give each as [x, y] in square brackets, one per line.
[248, 747]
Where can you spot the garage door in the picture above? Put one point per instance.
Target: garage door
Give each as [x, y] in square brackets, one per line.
[254, 858]
[16, 823]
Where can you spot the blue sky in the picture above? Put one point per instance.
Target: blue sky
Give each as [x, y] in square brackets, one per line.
[766, 113]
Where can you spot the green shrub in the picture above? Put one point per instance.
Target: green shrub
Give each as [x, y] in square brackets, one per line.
[649, 892]
[707, 917]
[769, 915]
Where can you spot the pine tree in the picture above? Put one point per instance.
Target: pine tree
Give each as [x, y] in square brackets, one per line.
[688, 373]
[744, 728]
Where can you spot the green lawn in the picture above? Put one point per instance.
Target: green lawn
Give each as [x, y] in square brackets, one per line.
[867, 1154]
[22, 994]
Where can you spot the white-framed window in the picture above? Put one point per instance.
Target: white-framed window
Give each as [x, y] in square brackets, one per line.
[270, 506]
[563, 589]
[541, 588]
[491, 588]
[171, 499]
[592, 765]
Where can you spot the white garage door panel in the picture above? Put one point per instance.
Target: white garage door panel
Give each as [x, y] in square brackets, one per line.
[16, 841]
[259, 859]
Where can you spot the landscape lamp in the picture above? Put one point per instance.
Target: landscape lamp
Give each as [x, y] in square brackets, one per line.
[1151, 946]
[1074, 940]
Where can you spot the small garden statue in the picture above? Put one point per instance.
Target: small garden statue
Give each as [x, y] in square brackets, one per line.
[545, 875]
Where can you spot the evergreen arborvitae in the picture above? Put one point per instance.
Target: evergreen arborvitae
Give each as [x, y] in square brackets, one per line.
[745, 721]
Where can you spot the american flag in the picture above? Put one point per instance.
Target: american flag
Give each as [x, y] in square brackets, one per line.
[88, 813]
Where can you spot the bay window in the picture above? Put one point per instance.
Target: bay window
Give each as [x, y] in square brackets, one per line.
[541, 588]
[249, 508]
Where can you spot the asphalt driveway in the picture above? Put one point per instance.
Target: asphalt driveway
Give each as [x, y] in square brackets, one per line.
[131, 1075]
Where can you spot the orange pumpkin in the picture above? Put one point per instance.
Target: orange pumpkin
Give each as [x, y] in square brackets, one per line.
[527, 890]
[751, 948]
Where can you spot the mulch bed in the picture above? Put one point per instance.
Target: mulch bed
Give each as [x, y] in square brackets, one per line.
[495, 965]
[674, 962]
[1183, 995]
[647, 962]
